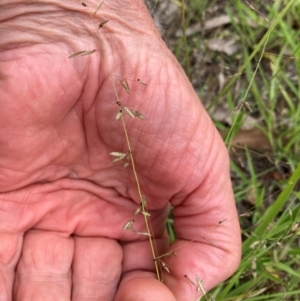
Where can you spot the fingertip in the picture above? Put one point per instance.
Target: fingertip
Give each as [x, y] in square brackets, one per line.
[144, 289]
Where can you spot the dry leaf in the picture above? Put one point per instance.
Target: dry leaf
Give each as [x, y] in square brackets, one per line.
[229, 47]
[212, 24]
[254, 139]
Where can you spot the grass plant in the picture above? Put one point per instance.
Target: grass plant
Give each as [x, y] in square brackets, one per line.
[263, 82]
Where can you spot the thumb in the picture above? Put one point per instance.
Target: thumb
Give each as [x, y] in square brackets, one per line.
[142, 286]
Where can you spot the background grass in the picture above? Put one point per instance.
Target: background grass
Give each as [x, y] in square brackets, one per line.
[252, 94]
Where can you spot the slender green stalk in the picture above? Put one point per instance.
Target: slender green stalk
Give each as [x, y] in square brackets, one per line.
[186, 51]
[274, 209]
[246, 94]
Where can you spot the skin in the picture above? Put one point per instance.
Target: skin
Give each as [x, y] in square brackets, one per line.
[63, 203]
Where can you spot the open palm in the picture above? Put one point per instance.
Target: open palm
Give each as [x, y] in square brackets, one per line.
[63, 203]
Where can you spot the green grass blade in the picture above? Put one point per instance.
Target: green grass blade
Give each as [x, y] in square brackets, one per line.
[274, 209]
[256, 49]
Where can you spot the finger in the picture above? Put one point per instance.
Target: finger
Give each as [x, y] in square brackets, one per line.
[138, 256]
[205, 249]
[43, 272]
[143, 286]
[97, 267]
[139, 278]
[10, 249]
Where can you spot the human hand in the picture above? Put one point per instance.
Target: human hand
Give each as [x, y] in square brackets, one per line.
[63, 202]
